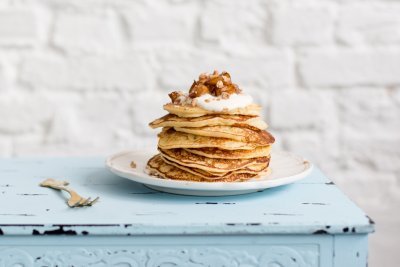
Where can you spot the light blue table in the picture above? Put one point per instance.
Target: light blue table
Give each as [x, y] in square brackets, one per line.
[309, 223]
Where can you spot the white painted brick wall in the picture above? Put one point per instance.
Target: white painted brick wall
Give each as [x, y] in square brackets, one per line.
[86, 32]
[17, 27]
[350, 67]
[85, 78]
[375, 23]
[302, 24]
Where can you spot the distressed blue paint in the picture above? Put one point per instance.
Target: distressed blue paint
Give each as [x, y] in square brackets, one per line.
[263, 223]
[350, 250]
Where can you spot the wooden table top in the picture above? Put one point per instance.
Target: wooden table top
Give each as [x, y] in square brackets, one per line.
[311, 206]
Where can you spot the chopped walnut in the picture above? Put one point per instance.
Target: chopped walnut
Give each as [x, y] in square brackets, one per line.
[133, 164]
[225, 95]
[175, 96]
[198, 90]
[226, 79]
[214, 84]
[203, 76]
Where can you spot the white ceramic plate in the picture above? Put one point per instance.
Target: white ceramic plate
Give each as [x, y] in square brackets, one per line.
[286, 168]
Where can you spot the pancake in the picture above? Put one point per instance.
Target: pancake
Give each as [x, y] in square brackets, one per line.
[171, 120]
[158, 167]
[245, 133]
[212, 152]
[169, 138]
[194, 111]
[253, 169]
[185, 158]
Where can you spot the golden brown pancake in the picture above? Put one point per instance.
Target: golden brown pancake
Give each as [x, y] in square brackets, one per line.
[213, 152]
[244, 133]
[251, 169]
[190, 111]
[171, 120]
[158, 167]
[185, 158]
[169, 138]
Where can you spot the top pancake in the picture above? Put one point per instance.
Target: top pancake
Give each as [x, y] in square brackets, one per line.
[190, 111]
[171, 120]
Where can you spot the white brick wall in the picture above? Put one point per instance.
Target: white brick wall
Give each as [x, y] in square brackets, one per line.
[85, 78]
[302, 24]
[18, 27]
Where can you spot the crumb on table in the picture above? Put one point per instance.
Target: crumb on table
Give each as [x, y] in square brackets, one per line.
[133, 164]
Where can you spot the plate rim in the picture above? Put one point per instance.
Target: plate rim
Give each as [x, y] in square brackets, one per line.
[201, 186]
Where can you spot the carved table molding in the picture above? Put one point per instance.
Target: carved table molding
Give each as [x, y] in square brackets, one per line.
[152, 257]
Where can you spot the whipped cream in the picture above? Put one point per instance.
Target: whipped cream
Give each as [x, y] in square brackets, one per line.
[213, 103]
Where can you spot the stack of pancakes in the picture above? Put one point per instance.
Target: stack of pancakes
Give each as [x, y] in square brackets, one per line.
[196, 144]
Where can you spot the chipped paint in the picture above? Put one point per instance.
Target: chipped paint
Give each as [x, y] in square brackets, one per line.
[283, 214]
[16, 214]
[215, 203]
[59, 231]
[314, 203]
[370, 220]
[320, 232]
[32, 194]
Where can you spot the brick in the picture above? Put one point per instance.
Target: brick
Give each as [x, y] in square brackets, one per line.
[370, 137]
[302, 25]
[235, 21]
[360, 24]
[320, 147]
[86, 32]
[364, 110]
[293, 109]
[63, 127]
[309, 124]
[269, 68]
[25, 113]
[86, 73]
[2, 79]
[350, 67]
[92, 125]
[82, 126]
[161, 23]
[96, 118]
[372, 153]
[18, 27]
[146, 107]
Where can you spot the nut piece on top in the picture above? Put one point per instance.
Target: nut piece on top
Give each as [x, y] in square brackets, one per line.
[211, 93]
[219, 85]
[212, 134]
[214, 84]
